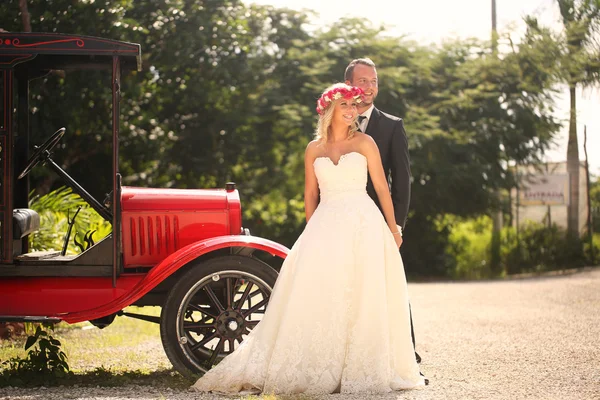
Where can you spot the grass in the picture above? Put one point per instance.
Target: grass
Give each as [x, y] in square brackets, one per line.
[124, 345]
[127, 351]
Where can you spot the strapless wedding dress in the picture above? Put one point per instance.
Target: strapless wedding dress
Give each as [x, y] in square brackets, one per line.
[338, 318]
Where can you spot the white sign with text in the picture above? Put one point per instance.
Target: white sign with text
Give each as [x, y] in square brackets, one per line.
[545, 189]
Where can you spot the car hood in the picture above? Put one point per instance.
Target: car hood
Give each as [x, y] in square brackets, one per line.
[135, 198]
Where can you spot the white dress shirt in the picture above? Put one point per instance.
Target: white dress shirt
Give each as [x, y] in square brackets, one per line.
[363, 125]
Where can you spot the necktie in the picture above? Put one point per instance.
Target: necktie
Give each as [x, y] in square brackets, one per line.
[361, 118]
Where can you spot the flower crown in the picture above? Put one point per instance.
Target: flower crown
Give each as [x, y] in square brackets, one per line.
[336, 94]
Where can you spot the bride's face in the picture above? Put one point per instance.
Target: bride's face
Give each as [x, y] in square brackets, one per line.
[345, 112]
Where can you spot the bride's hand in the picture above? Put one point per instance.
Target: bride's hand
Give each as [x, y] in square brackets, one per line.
[398, 239]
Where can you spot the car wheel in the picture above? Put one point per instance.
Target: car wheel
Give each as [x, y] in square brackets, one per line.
[212, 308]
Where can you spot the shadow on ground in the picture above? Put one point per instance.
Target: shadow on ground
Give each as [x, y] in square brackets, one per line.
[101, 377]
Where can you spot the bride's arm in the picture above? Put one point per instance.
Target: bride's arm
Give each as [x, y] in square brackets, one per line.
[380, 184]
[311, 187]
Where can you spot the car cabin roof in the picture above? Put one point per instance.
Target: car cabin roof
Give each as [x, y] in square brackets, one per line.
[45, 51]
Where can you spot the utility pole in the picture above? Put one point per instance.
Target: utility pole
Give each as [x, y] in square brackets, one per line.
[590, 229]
[494, 30]
[496, 213]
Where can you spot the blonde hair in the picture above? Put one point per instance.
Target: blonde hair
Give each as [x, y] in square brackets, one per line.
[326, 116]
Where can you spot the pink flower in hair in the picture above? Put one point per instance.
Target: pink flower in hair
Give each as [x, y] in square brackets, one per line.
[336, 94]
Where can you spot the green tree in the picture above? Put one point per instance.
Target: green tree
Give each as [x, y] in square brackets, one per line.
[595, 204]
[578, 65]
[466, 115]
[227, 92]
[56, 209]
[77, 100]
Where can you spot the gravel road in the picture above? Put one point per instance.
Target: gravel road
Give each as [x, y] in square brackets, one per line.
[526, 338]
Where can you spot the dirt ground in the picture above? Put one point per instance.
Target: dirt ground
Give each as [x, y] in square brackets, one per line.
[528, 337]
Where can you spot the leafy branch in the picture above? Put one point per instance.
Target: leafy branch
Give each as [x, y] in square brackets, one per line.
[45, 361]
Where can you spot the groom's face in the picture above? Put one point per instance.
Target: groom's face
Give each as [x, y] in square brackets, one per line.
[365, 77]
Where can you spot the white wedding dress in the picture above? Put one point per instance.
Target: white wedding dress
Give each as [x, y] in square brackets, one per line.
[338, 318]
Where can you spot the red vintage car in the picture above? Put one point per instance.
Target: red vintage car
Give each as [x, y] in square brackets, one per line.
[183, 250]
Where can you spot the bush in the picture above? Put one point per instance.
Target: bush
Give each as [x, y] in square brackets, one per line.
[594, 259]
[423, 249]
[55, 210]
[44, 363]
[469, 246]
[536, 248]
[539, 248]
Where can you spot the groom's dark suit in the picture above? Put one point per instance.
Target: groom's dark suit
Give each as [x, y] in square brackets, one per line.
[388, 132]
[390, 136]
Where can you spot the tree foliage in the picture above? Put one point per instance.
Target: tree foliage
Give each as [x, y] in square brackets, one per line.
[227, 93]
[57, 210]
[575, 51]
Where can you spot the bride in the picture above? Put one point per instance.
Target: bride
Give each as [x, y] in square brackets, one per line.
[338, 318]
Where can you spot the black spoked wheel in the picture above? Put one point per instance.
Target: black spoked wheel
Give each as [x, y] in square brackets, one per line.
[212, 308]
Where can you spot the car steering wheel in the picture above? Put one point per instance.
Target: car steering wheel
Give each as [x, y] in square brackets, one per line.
[37, 156]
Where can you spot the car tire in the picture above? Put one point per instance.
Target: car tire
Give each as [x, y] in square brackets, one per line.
[207, 288]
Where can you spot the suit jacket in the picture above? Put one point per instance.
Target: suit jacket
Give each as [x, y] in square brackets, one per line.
[390, 136]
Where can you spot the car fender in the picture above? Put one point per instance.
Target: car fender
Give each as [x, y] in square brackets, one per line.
[171, 264]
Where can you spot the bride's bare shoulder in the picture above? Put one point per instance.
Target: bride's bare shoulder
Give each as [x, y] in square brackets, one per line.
[312, 150]
[364, 142]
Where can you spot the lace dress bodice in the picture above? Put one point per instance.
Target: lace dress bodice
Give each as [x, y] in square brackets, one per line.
[348, 176]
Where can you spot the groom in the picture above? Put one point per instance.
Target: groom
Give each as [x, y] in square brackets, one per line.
[390, 136]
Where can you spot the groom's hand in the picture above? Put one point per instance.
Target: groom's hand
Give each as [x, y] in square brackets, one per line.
[398, 239]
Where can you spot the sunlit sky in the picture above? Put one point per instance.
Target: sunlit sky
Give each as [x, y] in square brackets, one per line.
[430, 21]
